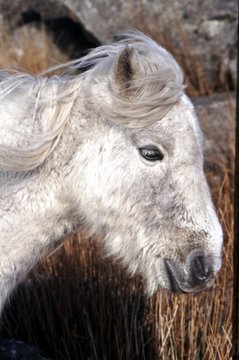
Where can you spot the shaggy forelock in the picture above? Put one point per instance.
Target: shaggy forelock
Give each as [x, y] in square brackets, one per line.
[150, 95]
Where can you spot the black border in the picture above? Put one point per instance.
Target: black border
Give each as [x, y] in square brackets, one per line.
[235, 313]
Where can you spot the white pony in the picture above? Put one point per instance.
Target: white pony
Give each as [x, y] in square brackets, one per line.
[116, 149]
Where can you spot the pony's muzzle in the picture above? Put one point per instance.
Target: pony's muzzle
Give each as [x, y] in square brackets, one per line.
[200, 269]
[198, 273]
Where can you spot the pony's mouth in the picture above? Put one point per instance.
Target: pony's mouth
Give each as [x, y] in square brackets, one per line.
[178, 284]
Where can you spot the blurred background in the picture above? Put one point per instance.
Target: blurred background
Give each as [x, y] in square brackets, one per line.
[75, 304]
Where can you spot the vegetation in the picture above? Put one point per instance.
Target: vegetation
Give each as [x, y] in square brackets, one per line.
[77, 305]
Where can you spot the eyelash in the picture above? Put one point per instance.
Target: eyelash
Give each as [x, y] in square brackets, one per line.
[151, 153]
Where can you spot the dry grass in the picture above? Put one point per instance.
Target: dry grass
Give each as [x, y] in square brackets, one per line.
[77, 305]
[29, 50]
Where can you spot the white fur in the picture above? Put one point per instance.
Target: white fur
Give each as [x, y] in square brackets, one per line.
[69, 157]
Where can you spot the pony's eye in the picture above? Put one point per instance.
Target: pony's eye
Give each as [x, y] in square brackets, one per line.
[151, 153]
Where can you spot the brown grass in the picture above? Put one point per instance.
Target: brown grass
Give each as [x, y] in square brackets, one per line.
[29, 50]
[76, 305]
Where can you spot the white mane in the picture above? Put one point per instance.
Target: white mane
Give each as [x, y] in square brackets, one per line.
[47, 103]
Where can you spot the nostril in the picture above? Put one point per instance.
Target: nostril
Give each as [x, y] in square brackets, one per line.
[200, 268]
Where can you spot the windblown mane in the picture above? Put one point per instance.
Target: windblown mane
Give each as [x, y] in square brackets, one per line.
[47, 103]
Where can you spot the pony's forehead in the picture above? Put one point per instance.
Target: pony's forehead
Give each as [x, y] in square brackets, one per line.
[179, 118]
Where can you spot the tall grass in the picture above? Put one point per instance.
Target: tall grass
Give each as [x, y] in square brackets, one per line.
[77, 305]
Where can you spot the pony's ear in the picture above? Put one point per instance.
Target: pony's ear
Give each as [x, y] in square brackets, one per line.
[126, 68]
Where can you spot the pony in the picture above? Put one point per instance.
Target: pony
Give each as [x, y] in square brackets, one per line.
[112, 145]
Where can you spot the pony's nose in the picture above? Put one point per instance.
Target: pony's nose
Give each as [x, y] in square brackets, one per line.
[200, 268]
[198, 273]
